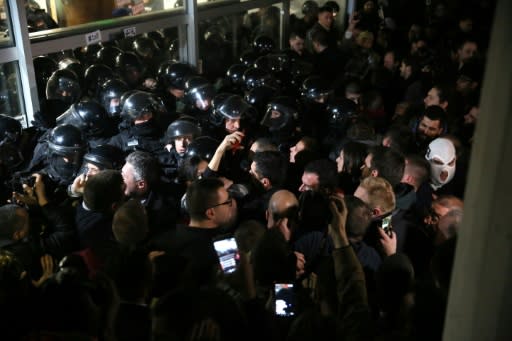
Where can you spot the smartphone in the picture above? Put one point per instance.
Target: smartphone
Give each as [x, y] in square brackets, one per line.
[284, 299]
[386, 225]
[227, 251]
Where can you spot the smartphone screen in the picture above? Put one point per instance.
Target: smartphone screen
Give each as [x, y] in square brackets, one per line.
[386, 224]
[227, 251]
[284, 299]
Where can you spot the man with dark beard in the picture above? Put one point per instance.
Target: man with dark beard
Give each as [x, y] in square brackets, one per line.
[430, 126]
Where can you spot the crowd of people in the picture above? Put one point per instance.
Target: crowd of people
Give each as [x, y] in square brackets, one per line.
[338, 165]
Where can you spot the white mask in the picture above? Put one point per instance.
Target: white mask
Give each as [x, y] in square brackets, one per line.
[440, 153]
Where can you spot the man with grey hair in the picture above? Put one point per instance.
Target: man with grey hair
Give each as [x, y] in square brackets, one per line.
[141, 175]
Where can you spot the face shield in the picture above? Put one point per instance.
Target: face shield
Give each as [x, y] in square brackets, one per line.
[276, 118]
[64, 89]
[202, 97]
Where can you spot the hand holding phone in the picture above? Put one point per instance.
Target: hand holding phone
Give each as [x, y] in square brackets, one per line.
[284, 299]
[227, 251]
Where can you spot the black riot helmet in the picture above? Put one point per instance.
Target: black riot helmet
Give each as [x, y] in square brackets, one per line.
[263, 45]
[199, 92]
[333, 5]
[145, 47]
[341, 111]
[89, 54]
[105, 157]
[68, 141]
[110, 96]
[310, 8]
[74, 65]
[299, 71]
[315, 88]
[182, 127]
[141, 103]
[172, 75]
[95, 75]
[44, 67]
[10, 129]
[107, 55]
[173, 50]
[248, 58]
[235, 74]
[255, 77]
[66, 146]
[63, 85]
[274, 63]
[234, 107]
[130, 68]
[87, 115]
[203, 147]
[281, 112]
[260, 96]
[157, 37]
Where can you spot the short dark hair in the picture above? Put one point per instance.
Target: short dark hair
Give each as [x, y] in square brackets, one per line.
[10, 222]
[264, 144]
[298, 33]
[326, 171]
[418, 166]
[271, 165]
[145, 167]
[201, 195]
[401, 138]
[413, 62]
[310, 143]
[320, 36]
[354, 154]
[103, 190]
[443, 92]
[359, 216]
[130, 223]
[435, 113]
[325, 9]
[188, 169]
[389, 163]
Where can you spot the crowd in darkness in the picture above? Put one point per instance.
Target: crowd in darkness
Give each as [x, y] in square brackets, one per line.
[337, 164]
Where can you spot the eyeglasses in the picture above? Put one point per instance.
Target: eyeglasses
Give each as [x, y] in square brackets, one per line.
[228, 202]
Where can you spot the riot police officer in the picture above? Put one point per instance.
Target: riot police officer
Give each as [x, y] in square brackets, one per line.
[97, 159]
[281, 119]
[140, 127]
[66, 147]
[89, 116]
[109, 97]
[62, 90]
[199, 94]
[315, 94]
[171, 80]
[341, 112]
[178, 137]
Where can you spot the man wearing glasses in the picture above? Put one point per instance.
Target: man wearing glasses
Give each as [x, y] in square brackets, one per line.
[190, 254]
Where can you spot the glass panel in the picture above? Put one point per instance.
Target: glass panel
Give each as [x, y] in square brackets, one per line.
[48, 14]
[5, 25]
[10, 89]
[222, 41]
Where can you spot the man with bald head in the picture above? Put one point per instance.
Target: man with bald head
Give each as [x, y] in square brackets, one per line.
[282, 207]
[274, 253]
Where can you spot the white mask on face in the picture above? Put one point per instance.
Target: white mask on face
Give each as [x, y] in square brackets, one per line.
[443, 151]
